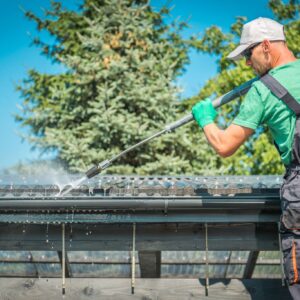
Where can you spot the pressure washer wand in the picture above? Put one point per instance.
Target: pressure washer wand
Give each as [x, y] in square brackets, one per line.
[239, 91]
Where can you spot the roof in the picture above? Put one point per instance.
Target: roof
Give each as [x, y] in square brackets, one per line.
[173, 226]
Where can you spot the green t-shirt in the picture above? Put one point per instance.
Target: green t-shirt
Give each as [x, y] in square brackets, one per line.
[260, 106]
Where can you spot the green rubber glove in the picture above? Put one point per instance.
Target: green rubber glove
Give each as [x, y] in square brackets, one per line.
[204, 113]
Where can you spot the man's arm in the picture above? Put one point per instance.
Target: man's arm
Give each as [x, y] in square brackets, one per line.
[226, 142]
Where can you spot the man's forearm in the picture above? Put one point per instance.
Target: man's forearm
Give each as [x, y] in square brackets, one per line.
[216, 138]
[226, 142]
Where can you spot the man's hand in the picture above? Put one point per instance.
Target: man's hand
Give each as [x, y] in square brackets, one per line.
[204, 113]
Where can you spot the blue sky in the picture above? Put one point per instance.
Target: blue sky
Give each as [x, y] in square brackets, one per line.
[17, 56]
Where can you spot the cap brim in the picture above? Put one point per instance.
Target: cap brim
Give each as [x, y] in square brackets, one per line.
[236, 54]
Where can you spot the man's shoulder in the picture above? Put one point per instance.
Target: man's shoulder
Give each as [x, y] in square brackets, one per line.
[292, 67]
[257, 88]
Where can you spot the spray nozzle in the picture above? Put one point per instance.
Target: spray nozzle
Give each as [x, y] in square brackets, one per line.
[92, 172]
[97, 169]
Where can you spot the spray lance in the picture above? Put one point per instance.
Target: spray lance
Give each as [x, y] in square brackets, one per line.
[238, 91]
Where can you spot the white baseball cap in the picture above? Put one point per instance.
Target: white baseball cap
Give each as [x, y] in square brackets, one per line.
[255, 32]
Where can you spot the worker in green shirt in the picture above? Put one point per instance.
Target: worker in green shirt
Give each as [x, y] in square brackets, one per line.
[273, 100]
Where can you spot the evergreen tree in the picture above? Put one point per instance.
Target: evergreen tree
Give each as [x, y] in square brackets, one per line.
[121, 60]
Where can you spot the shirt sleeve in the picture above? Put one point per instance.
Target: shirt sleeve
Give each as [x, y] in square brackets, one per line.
[251, 110]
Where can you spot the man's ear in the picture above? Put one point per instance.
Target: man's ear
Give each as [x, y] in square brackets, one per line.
[266, 45]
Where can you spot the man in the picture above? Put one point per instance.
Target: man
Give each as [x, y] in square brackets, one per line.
[263, 46]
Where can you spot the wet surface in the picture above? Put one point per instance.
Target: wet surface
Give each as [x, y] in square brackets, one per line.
[109, 199]
[137, 186]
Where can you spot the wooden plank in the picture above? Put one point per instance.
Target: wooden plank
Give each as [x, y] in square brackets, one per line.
[67, 263]
[149, 237]
[150, 289]
[34, 265]
[150, 263]
[250, 266]
[101, 261]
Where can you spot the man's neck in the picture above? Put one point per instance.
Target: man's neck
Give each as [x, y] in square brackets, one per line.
[282, 57]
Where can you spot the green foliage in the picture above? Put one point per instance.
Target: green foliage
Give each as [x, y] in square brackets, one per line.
[285, 11]
[258, 155]
[121, 60]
